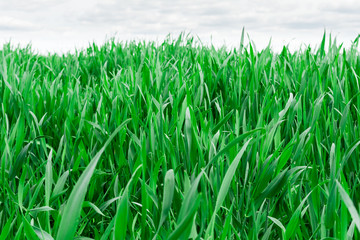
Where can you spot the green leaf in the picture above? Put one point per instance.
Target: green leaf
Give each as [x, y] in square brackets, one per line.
[42, 234]
[182, 229]
[232, 144]
[293, 224]
[349, 204]
[330, 212]
[278, 223]
[222, 122]
[169, 186]
[93, 206]
[19, 161]
[59, 186]
[6, 228]
[71, 214]
[224, 189]
[41, 209]
[29, 231]
[121, 218]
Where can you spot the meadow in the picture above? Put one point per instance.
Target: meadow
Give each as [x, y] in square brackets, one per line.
[178, 140]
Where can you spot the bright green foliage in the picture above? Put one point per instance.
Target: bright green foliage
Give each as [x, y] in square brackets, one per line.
[180, 140]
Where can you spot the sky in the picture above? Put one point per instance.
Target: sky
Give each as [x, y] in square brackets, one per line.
[62, 26]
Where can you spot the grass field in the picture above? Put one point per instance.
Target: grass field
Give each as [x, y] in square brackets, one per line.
[179, 140]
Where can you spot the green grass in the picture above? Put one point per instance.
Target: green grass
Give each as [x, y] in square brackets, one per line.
[180, 140]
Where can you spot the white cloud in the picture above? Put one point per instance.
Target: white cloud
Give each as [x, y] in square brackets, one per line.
[13, 24]
[77, 22]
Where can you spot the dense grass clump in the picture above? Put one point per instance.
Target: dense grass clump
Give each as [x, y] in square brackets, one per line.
[179, 140]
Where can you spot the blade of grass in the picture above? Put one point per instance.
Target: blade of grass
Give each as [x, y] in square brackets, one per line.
[71, 214]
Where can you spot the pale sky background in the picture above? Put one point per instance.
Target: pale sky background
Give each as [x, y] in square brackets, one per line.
[61, 26]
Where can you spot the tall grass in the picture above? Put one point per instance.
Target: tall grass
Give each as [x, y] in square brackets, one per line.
[179, 140]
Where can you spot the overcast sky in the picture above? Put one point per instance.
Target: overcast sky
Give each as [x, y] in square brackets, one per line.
[53, 25]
